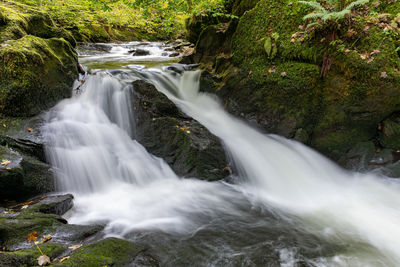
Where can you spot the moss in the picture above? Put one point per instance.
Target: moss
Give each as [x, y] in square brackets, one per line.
[13, 230]
[241, 6]
[108, 252]
[28, 257]
[37, 73]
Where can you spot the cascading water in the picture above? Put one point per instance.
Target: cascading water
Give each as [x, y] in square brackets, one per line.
[290, 206]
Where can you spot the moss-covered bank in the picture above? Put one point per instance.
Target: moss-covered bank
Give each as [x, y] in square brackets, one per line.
[281, 90]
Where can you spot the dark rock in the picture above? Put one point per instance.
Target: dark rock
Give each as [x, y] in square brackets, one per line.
[176, 54]
[169, 49]
[181, 68]
[188, 147]
[25, 176]
[139, 52]
[53, 204]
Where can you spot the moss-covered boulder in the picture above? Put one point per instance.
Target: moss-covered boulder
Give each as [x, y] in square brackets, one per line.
[109, 252]
[28, 257]
[35, 74]
[189, 148]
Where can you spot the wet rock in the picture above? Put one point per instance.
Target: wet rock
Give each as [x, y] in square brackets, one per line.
[169, 49]
[189, 148]
[176, 54]
[53, 204]
[28, 257]
[25, 175]
[108, 252]
[181, 68]
[139, 52]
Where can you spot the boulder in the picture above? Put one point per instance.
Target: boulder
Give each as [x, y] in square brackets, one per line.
[35, 75]
[139, 52]
[110, 252]
[189, 148]
[23, 172]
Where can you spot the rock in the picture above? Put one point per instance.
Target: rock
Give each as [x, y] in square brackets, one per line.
[108, 252]
[189, 148]
[29, 257]
[181, 68]
[169, 49]
[35, 75]
[333, 113]
[59, 204]
[390, 135]
[139, 52]
[26, 175]
[176, 54]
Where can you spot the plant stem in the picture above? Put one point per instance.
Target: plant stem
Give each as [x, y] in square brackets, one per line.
[39, 249]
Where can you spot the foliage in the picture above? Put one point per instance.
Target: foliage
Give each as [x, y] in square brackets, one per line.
[333, 10]
[154, 18]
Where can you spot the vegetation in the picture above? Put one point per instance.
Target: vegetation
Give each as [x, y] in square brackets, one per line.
[96, 20]
[327, 16]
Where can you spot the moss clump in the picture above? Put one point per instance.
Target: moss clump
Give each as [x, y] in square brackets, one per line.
[108, 252]
[36, 73]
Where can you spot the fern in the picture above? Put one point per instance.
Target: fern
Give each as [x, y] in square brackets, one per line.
[322, 13]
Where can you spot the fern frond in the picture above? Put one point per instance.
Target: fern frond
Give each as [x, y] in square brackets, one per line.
[340, 15]
[317, 6]
[314, 24]
[356, 3]
[314, 15]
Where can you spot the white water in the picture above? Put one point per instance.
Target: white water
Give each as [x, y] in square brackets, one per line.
[116, 182]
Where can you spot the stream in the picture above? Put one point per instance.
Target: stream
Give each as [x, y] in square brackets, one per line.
[288, 206]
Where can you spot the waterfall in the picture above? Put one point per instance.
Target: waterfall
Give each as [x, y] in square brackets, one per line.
[292, 177]
[283, 186]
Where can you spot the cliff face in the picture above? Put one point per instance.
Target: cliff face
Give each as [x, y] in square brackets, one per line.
[267, 66]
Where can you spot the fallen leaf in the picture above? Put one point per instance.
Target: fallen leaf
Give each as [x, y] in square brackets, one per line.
[64, 259]
[283, 74]
[46, 238]
[384, 75]
[32, 236]
[5, 162]
[43, 260]
[74, 247]
[29, 130]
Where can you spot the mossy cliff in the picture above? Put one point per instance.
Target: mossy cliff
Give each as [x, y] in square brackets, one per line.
[268, 71]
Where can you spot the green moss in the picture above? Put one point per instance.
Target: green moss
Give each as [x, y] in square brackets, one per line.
[14, 230]
[37, 73]
[28, 257]
[108, 252]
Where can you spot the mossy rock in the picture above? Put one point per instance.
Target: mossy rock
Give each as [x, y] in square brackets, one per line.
[37, 73]
[28, 257]
[27, 174]
[189, 148]
[108, 252]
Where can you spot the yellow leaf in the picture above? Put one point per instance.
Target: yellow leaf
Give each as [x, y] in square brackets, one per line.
[64, 259]
[46, 238]
[5, 162]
